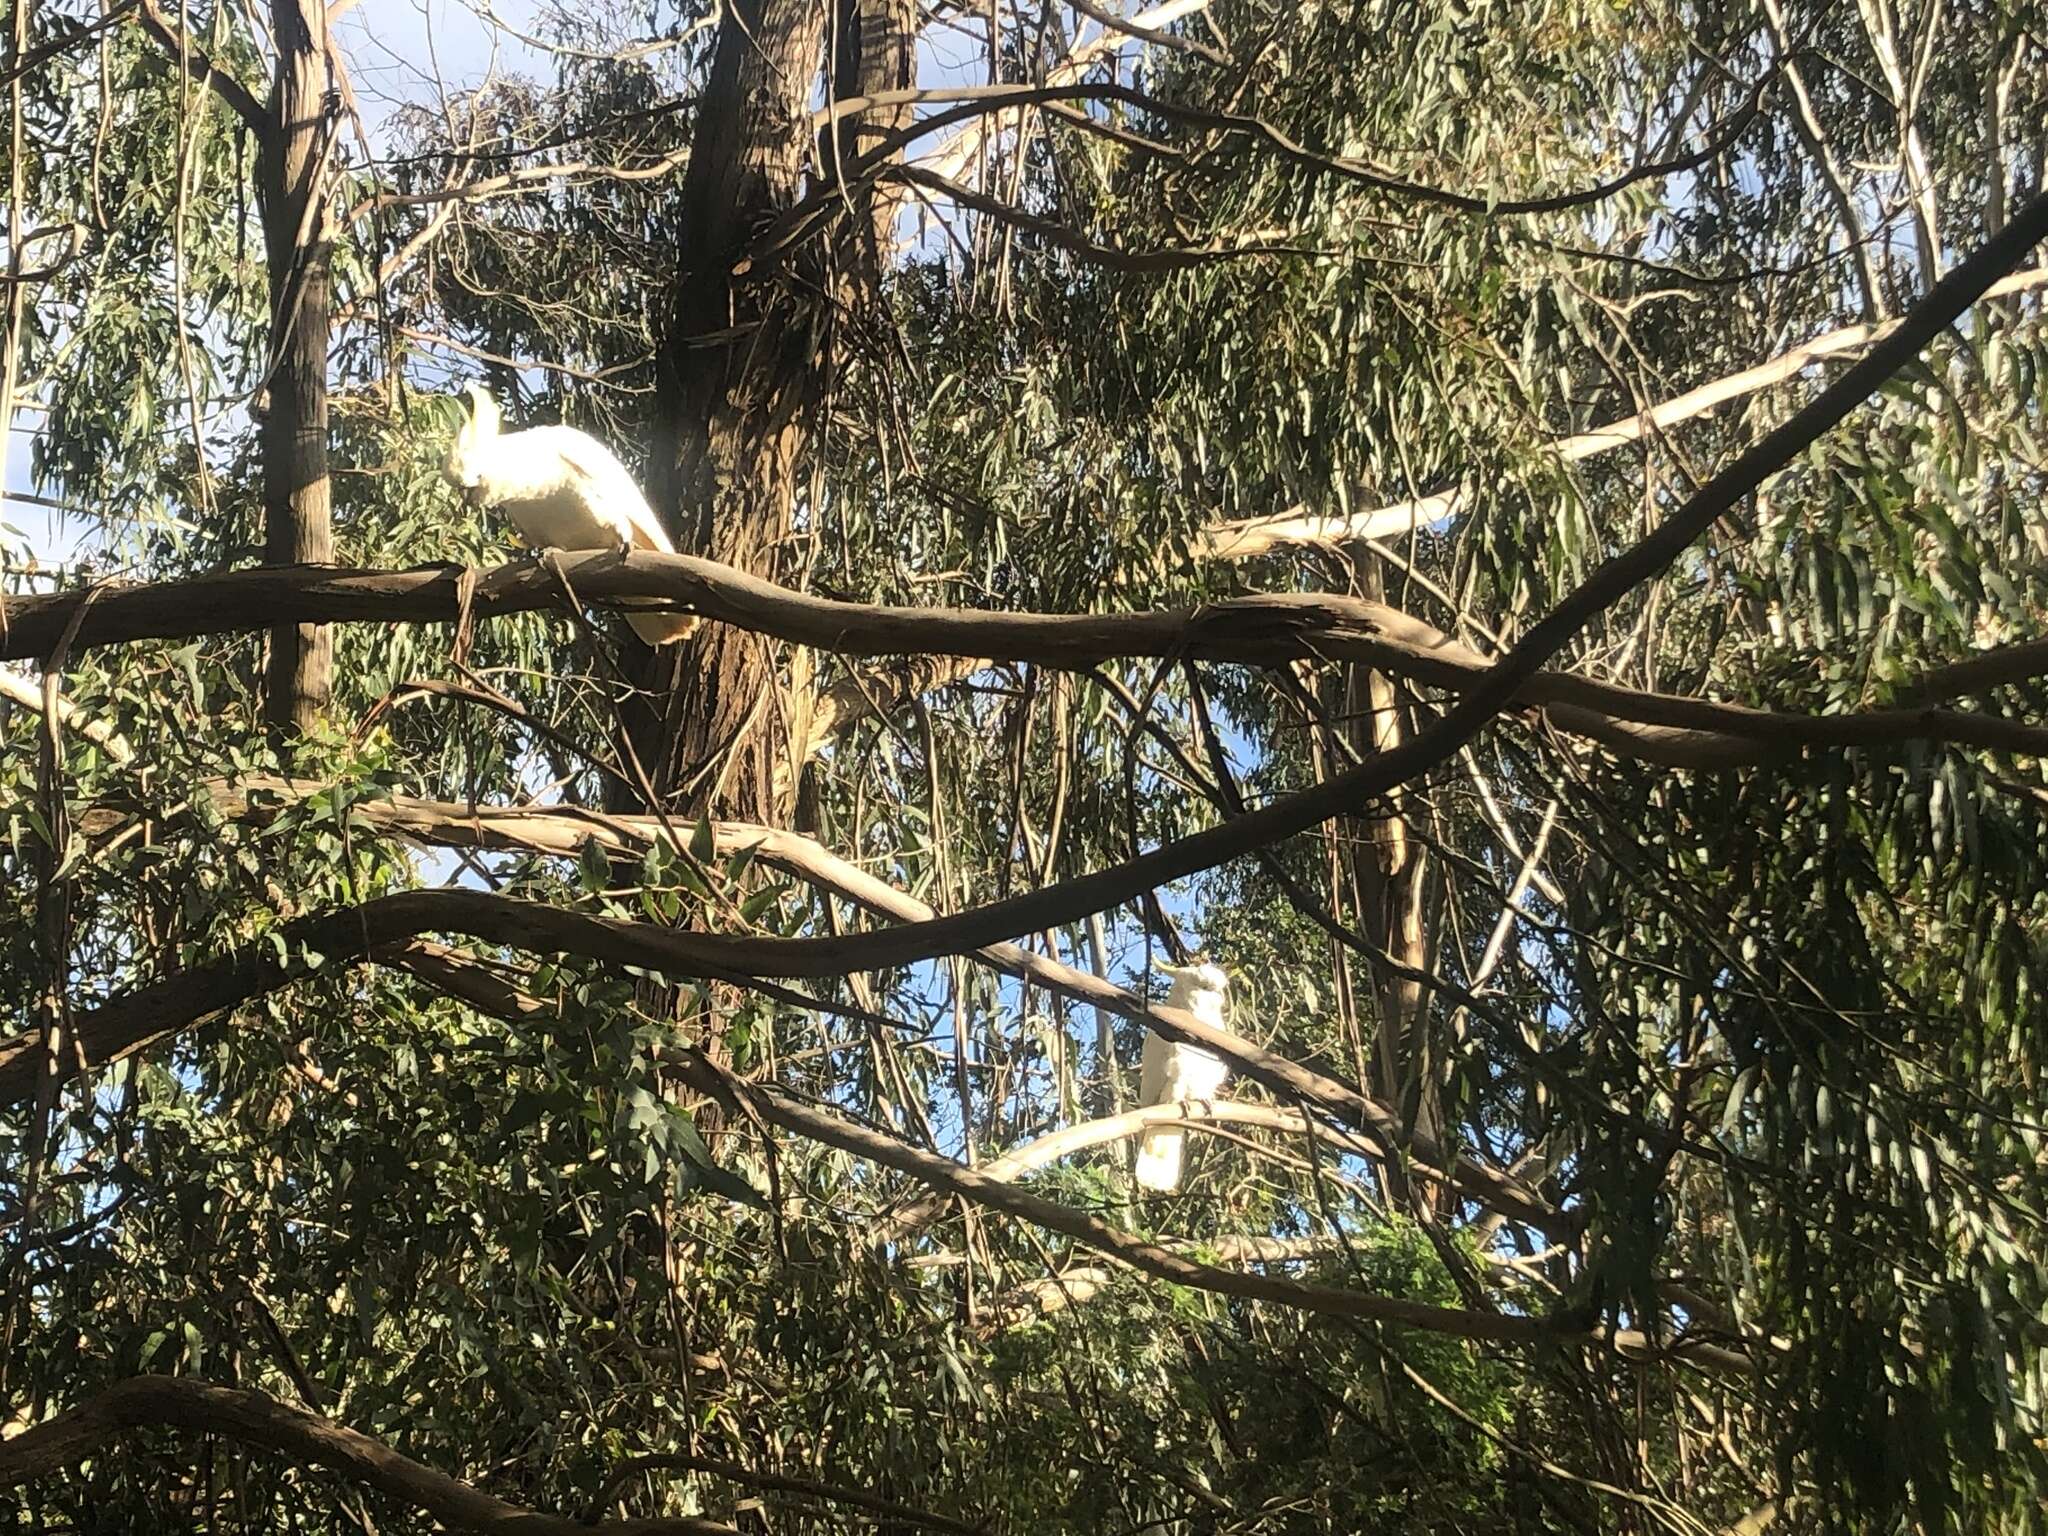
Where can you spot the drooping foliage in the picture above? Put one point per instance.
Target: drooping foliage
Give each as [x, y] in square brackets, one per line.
[1760, 1020]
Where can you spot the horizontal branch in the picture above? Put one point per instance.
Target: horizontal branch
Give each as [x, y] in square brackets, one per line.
[256, 1418]
[989, 99]
[1080, 1284]
[1244, 538]
[1265, 630]
[1020, 1162]
[369, 929]
[181, 1000]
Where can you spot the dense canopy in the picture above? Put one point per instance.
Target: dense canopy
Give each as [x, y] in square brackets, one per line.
[1516, 529]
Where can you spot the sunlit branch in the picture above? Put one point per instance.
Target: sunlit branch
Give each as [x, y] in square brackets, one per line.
[1266, 630]
[132, 1021]
[1245, 538]
[957, 1179]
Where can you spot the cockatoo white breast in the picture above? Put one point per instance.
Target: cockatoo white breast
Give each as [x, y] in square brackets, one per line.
[1172, 1072]
[561, 489]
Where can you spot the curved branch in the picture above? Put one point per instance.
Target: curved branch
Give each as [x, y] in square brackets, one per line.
[256, 1418]
[1174, 258]
[1264, 630]
[1027, 1159]
[1163, 1263]
[980, 101]
[19, 691]
[564, 830]
[195, 61]
[181, 1000]
[149, 1013]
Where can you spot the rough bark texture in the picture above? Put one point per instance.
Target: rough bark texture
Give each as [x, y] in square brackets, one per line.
[874, 52]
[1267, 630]
[298, 528]
[739, 374]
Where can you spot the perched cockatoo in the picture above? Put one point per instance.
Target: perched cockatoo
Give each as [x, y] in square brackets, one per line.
[1172, 1072]
[562, 489]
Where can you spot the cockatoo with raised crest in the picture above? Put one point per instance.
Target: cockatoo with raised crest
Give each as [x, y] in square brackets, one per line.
[561, 489]
[1172, 1072]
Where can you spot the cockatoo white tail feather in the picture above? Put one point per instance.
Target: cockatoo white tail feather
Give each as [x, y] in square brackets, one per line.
[1172, 1072]
[562, 489]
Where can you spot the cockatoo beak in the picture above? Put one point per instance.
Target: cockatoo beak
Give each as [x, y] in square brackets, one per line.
[473, 497]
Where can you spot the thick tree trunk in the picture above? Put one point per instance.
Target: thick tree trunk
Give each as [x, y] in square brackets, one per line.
[739, 374]
[744, 371]
[298, 528]
[875, 52]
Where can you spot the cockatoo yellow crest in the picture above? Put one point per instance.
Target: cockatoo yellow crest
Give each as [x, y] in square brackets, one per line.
[1172, 1072]
[562, 489]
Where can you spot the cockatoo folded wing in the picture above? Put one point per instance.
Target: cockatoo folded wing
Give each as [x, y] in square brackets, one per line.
[607, 488]
[1153, 1068]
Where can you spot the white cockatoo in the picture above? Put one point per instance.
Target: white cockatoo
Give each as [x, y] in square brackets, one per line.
[562, 489]
[1172, 1071]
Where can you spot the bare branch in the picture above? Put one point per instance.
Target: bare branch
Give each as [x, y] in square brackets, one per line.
[256, 1418]
[1163, 1263]
[182, 1000]
[1267, 630]
[1019, 1162]
[128, 1023]
[19, 691]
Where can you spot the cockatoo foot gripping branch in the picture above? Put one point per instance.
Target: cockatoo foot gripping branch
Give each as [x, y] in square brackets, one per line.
[561, 489]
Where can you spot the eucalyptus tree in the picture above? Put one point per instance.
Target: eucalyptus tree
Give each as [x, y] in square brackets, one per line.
[1499, 622]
